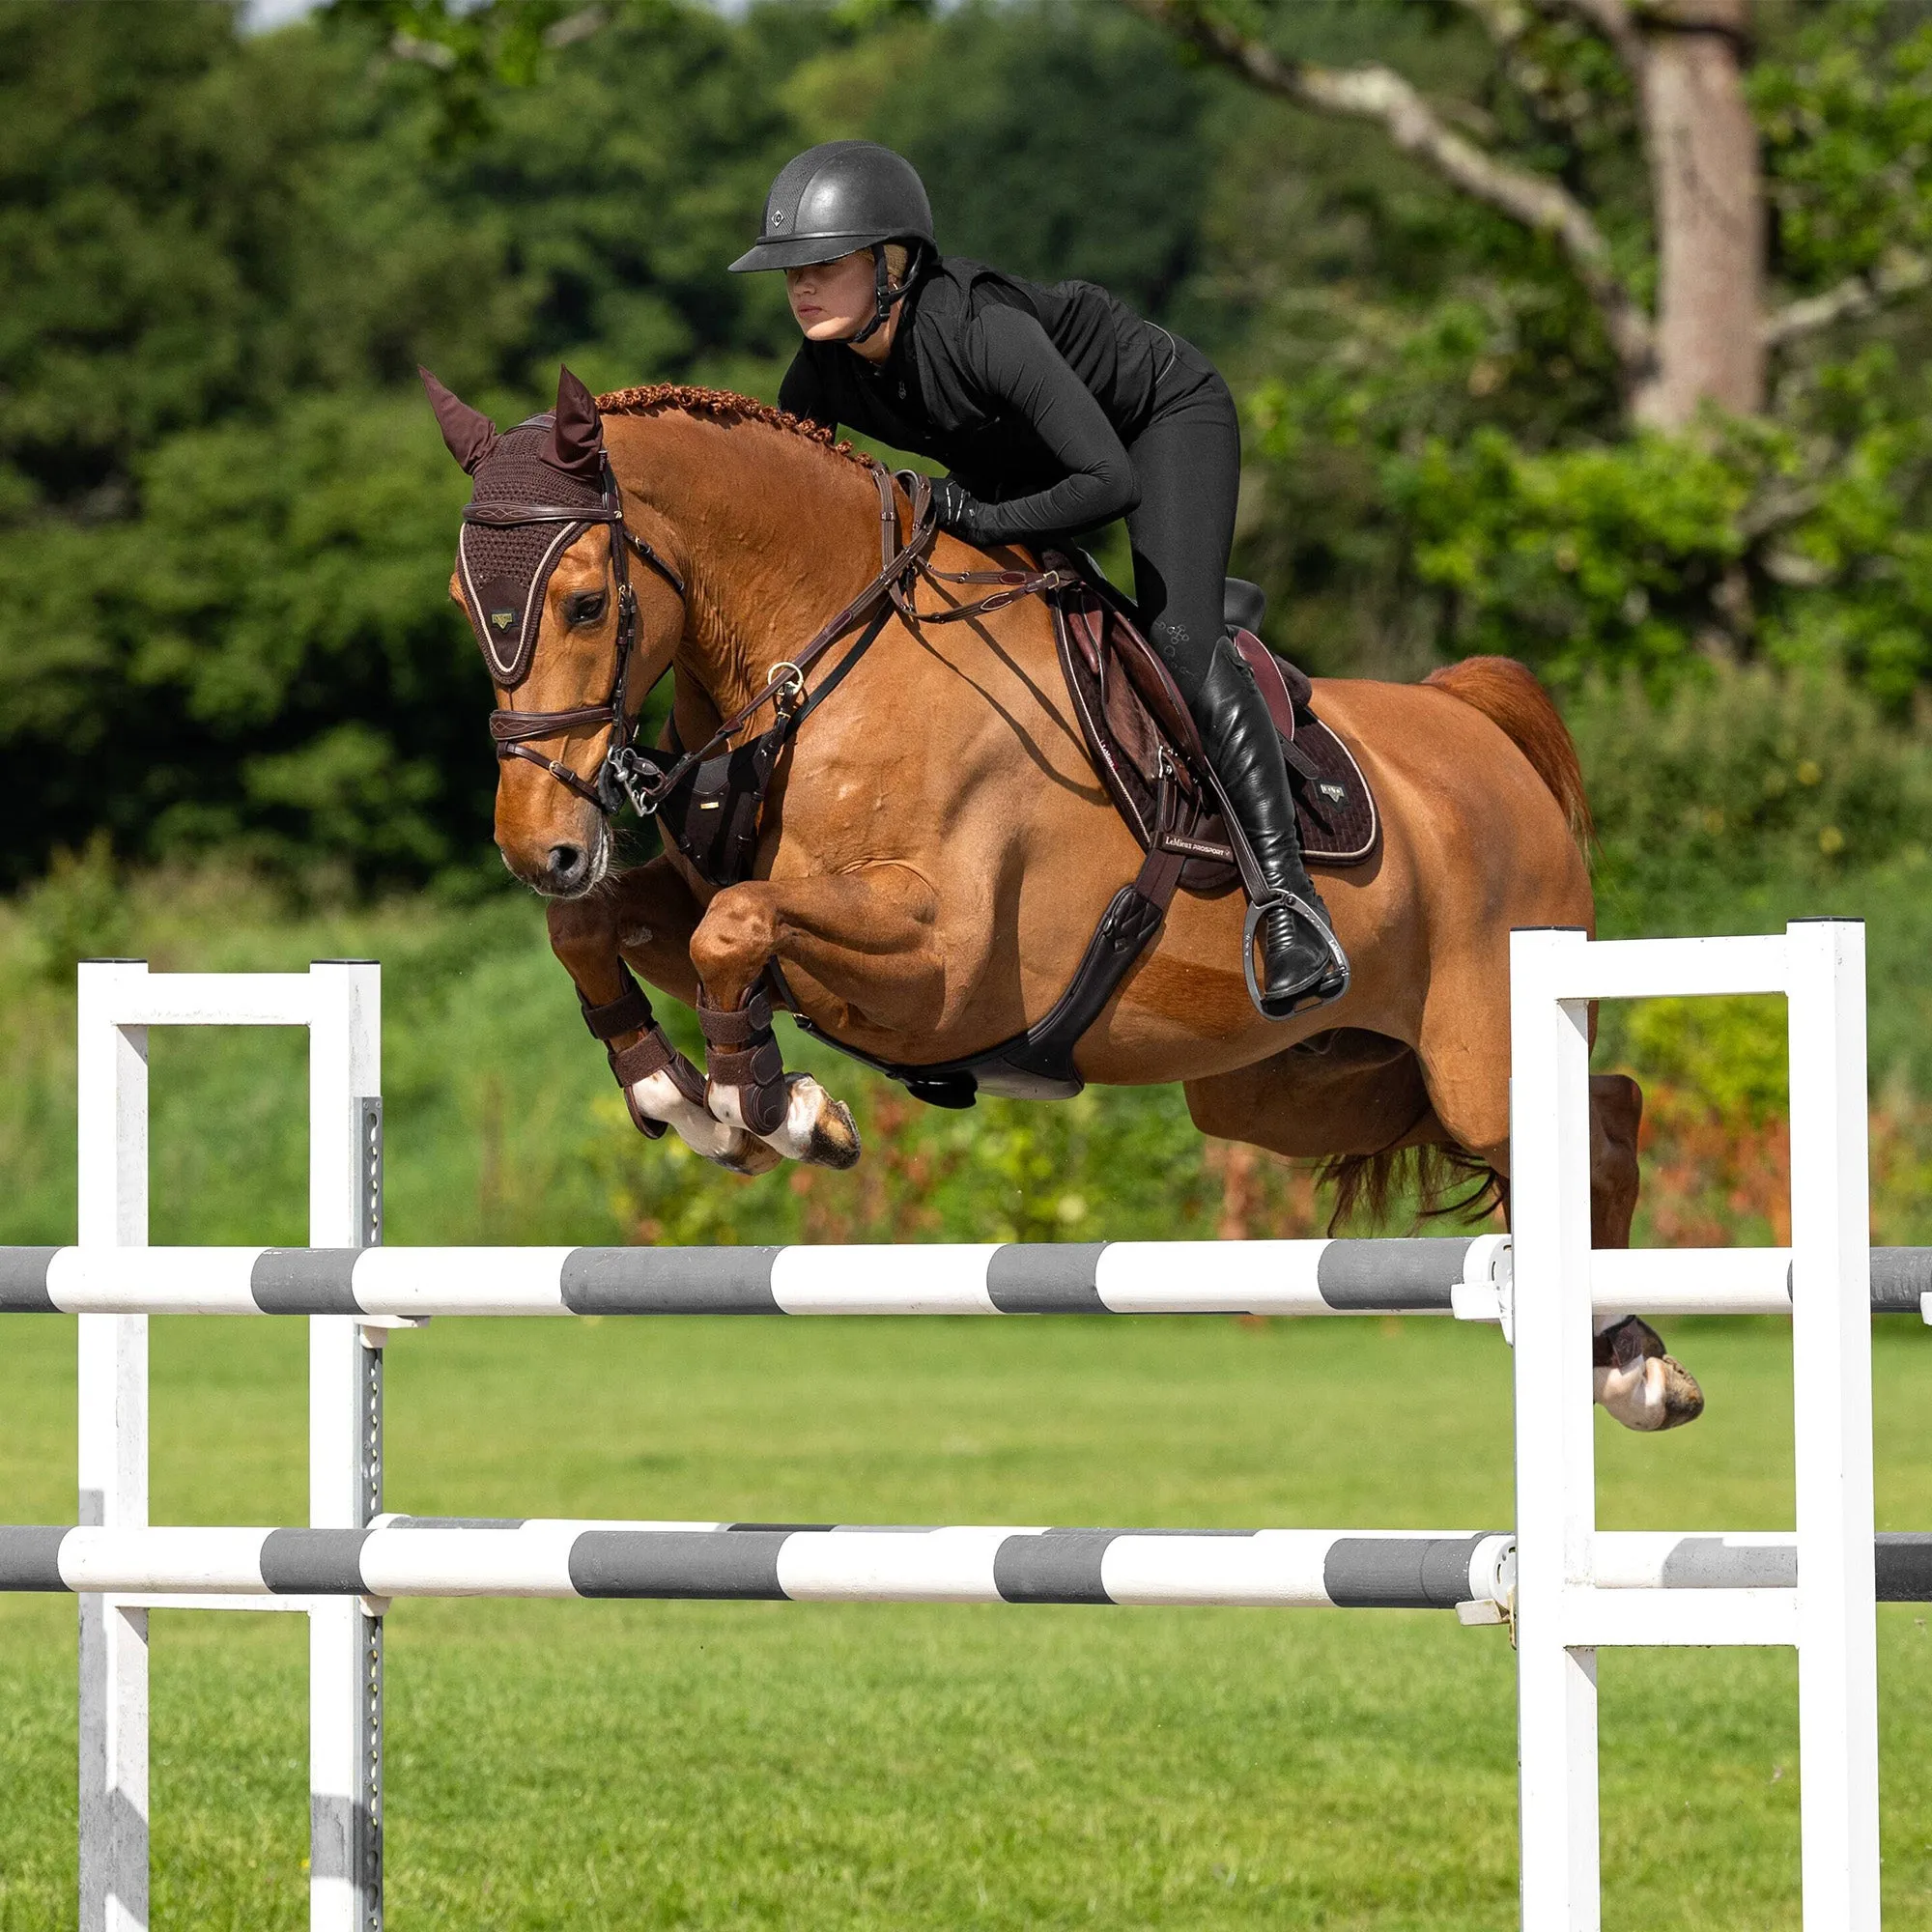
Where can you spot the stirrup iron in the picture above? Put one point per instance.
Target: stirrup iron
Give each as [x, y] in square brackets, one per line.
[1329, 988]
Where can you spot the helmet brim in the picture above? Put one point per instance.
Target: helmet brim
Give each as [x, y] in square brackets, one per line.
[803, 251]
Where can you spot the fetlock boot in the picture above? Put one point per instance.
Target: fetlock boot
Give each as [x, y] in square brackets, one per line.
[1302, 965]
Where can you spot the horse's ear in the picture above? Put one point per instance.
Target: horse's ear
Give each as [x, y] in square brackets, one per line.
[470, 434]
[576, 443]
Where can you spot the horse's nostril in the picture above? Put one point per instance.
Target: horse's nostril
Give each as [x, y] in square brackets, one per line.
[568, 864]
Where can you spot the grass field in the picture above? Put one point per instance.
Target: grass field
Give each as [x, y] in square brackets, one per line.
[599, 1765]
[603, 1765]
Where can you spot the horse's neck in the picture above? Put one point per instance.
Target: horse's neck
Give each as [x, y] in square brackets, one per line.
[778, 532]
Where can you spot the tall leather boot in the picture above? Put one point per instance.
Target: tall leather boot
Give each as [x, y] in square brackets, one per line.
[1302, 964]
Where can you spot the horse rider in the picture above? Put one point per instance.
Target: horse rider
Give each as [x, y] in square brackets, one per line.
[1055, 409]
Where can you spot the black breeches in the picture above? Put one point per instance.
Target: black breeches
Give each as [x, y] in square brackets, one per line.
[1188, 464]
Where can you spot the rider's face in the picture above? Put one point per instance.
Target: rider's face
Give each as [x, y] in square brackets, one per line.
[832, 302]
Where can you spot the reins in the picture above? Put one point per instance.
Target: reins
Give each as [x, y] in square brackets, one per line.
[625, 775]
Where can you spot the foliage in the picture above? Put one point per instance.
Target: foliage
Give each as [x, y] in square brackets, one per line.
[1059, 140]
[1846, 119]
[1746, 777]
[470, 50]
[1444, 464]
[1005, 1171]
[225, 517]
[266, 656]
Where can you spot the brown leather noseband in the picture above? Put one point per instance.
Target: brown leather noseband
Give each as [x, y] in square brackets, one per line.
[513, 730]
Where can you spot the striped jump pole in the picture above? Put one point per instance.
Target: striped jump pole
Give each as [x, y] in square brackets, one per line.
[1466, 1571]
[829, 1563]
[1471, 1278]
[1321, 1277]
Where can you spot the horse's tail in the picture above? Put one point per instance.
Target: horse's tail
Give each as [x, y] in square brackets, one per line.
[1509, 696]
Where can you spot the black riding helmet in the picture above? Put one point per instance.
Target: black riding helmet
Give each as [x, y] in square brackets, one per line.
[833, 200]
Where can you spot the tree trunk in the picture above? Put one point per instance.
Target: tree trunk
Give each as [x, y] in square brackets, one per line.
[1709, 199]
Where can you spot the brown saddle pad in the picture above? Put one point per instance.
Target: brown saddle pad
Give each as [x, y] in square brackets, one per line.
[1133, 719]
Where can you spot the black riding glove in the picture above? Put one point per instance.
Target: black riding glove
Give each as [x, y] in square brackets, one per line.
[960, 512]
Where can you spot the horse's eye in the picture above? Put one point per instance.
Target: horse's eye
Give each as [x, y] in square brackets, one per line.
[584, 607]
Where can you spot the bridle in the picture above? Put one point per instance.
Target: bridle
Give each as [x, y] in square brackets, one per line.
[626, 777]
[514, 729]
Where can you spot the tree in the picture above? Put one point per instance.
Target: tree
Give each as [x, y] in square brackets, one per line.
[226, 518]
[1680, 66]
[1585, 329]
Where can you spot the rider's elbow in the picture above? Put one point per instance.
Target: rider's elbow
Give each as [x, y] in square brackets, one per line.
[1119, 492]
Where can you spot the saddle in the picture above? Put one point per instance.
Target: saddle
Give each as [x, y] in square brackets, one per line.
[1142, 739]
[1144, 745]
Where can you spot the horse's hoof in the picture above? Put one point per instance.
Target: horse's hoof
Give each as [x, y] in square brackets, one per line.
[816, 1128]
[1639, 1383]
[1683, 1399]
[835, 1134]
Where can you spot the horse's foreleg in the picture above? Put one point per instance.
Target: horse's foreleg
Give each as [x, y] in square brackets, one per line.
[644, 917]
[1637, 1381]
[865, 937]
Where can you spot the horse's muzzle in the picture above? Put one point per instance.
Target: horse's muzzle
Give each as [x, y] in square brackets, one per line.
[566, 869]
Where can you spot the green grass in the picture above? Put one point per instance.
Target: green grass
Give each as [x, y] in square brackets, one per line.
[692, 1765]
[593, 1765]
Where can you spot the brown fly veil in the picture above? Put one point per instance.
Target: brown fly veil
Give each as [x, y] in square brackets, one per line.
[538, 488]
[505, 567]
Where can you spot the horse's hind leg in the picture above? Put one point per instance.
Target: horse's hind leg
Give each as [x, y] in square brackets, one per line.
[864, 940]
[1637, 1381]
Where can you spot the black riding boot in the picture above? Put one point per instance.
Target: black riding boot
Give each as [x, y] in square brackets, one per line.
[1302, 964]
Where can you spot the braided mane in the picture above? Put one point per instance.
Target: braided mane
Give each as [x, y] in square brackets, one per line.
[720, 406]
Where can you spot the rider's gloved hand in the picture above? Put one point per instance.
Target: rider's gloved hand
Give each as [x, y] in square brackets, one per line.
[960, 512]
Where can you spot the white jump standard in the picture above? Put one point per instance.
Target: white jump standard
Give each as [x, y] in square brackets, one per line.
[1566, 1587]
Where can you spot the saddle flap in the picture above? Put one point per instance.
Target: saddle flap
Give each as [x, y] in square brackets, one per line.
[1134, 720]
[1268, 671]
[1130, 726]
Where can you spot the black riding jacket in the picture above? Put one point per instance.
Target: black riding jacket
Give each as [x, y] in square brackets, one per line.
[1029, 395]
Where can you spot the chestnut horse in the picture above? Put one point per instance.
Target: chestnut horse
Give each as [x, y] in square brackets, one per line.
[937, 849]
